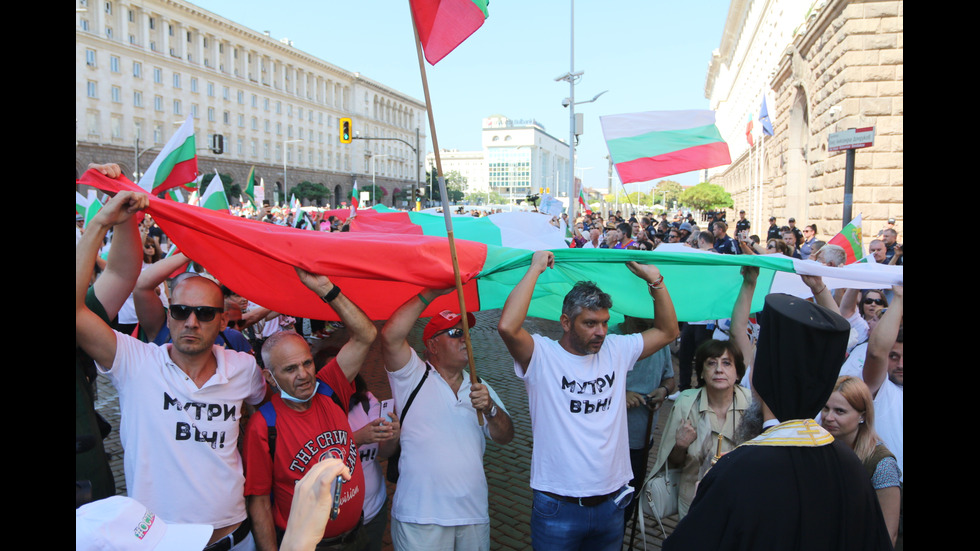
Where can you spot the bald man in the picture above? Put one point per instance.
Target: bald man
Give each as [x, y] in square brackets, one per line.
[181, 403]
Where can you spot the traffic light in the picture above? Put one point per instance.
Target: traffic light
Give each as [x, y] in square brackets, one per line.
[346, 130]
[217, 144]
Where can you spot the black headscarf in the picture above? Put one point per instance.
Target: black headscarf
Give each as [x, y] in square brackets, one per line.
[798, 358]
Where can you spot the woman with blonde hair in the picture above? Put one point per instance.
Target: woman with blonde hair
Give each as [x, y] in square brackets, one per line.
[850, 416]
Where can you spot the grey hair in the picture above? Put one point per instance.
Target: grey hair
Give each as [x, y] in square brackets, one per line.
[585, 295]
[274, 340]
[832, 254]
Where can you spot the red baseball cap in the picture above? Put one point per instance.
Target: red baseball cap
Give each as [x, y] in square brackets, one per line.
[445, 320]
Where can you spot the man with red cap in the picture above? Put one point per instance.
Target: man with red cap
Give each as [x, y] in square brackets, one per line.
[441, 498]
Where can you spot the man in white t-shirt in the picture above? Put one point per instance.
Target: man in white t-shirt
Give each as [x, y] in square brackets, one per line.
[576, 388]
[441, 500]
[883, 372]
[181, 403]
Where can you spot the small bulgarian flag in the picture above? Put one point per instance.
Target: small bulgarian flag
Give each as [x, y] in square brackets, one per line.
[444, 24]
[581, 201]
[214, 196]
[850, 239]
[174, 194]
[176, 165]
[354, 201]
[653, 144]
[250, 185]
[91, 210]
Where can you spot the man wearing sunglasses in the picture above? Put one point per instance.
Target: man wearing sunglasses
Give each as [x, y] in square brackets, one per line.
[182, 402]
[441, 498]
[576, 386]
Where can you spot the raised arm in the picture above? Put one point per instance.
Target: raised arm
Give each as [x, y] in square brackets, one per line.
[849, 302]
[149, 308]
[92, 334]
[122, 267]
[518, 341]
[394, 335]
[882, 341]
[360, 329]
[821, 295]
[741, 312]
[664, 329]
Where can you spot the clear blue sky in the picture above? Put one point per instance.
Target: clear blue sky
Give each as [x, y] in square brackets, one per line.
[650, 55]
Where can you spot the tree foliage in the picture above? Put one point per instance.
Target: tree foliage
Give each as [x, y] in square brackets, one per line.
[455, 183]
[706, 196]
[317, 194]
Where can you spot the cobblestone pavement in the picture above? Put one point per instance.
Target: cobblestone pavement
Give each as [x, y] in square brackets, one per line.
[507, 467]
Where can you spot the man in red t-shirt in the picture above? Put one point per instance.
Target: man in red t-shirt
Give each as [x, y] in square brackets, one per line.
[310, 425]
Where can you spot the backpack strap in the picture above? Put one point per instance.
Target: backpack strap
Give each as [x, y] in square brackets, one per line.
[411, 397]
[269, 413]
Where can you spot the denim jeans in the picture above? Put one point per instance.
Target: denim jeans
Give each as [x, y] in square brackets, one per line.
[561, 525]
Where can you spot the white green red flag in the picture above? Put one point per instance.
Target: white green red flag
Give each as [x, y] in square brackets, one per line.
[850, 239]
[174, 194]
[258, 260]
[214, 197]
[250, 185]
[653, 144]
[354, 200]
[176, 165]
[444, 24]
[581, 201]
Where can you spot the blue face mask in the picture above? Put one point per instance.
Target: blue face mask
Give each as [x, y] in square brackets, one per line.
[286, 396]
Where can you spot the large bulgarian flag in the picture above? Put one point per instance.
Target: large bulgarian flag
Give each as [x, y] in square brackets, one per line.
[444, 24]
[653, 144]
[176, 165]
[850, 239]
[380, 271]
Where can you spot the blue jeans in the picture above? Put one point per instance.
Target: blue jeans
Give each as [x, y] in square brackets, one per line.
[560, 525]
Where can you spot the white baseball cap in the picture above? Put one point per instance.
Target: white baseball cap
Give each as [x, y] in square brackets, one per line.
[122, 523]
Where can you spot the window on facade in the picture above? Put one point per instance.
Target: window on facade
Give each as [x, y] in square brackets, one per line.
[114, 64]
[158, 103]
[137, 69]
[153, 24]
[193, 85]
[210, 114]
[158, 75]
[138, 99]
[93, 90]
[116, 94]
[177, 110]
[90, 57]
[116, 122]
[177, 80]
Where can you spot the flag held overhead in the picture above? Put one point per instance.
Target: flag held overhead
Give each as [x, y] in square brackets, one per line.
[652, 144]
[443, 25]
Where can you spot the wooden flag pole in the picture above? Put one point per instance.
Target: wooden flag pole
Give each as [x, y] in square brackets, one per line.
[445, 210]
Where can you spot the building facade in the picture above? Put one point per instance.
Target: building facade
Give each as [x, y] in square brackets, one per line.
[143, 68]
[838, 65]
[522, 158]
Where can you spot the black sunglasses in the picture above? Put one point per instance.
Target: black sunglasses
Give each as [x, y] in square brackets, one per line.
[877, 301]
[453, 333]
[203, 313]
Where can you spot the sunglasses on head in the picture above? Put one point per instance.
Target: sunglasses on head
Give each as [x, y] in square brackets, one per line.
[453, 333]
[877, 301]
[203, 313]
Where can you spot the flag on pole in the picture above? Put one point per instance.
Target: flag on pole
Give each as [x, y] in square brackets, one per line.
[299, 214]
[653, 144]
[444, 24]
[91, 210]
[176, 165]
[250, 185]
[748, 132]
[354, 199]
[214, 196]
[764, 118]
[850, 239]
[81, 203]
[581, 201]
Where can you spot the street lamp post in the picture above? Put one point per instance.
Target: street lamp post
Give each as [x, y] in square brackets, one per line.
[285, 187]
[374, 173]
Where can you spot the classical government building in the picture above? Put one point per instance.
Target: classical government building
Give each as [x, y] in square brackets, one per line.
[142, 68]
[823, 67]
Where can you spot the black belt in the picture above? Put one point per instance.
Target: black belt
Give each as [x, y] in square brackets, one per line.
[232, 539]
[343, 539]
[589, 501]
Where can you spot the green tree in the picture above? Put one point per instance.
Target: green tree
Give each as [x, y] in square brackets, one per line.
[705, 196]
[670, 188]
[480, 198]
[455, 183]
[314, 193]
[232, 190]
